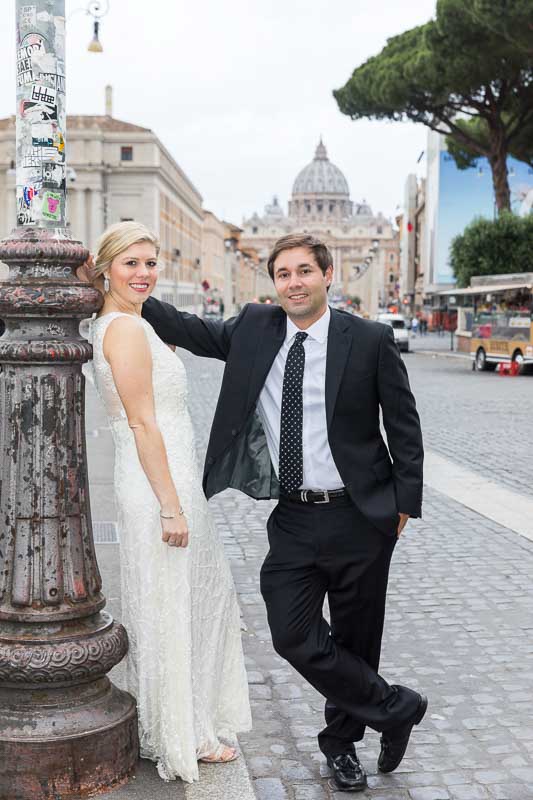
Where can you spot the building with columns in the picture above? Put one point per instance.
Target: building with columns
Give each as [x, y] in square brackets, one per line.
[364, 246]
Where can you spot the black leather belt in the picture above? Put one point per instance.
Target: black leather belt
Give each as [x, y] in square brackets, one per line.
[308, 496]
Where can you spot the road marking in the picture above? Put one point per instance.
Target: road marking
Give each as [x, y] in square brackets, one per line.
[488, 498]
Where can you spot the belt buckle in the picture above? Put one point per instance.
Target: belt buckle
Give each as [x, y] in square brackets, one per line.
[303, 495]
[326, 497]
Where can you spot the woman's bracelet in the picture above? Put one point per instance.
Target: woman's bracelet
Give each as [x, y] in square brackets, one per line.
[172, 516]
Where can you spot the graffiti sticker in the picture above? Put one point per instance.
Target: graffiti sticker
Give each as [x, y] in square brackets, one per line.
[28, 16]
[51, 207]
[34, 157]
[54, 79]
[35, 112]
[31, 159]
[43, 94]
[28, 193]
[24, 67]
[25, 215]
[53, 173]
[42, 141]
[31, 43]
[59, 142]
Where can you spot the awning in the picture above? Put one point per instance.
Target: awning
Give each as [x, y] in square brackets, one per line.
[487, 289]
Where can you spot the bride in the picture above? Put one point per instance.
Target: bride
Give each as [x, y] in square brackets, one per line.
[185, 663]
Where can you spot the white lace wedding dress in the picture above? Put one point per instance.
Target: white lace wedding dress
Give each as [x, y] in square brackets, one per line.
[185, 663]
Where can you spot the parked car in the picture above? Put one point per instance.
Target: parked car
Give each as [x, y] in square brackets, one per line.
[399, 329]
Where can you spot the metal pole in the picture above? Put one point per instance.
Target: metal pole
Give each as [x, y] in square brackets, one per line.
[65, 730]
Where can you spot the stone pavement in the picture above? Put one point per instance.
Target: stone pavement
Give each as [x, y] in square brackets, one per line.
[459, 624]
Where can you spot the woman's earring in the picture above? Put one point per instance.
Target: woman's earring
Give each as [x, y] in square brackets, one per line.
[106, 284]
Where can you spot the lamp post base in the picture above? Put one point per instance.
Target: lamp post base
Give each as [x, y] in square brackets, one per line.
[41, 756]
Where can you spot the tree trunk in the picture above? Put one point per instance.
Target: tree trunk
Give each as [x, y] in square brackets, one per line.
[500, 178]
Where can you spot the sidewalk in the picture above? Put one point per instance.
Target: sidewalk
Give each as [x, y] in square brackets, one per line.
[434, 345]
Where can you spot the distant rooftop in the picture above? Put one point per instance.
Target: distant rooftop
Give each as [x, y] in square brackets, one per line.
[81, 121]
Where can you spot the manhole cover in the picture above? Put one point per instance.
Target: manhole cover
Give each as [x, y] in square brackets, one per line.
[105, 532]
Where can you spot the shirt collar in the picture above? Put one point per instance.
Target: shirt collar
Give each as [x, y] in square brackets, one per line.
[317, 331]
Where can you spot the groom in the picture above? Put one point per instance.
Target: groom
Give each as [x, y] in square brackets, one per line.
[298, 419]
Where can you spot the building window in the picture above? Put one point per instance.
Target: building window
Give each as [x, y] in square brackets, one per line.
[126, 219]
[391, 278]
[319, 206]
[380, 228]
[255, 229]
[126, 153]
[331, 208]
[392, 256]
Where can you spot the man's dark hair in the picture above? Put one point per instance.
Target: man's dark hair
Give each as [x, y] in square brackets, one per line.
[319, 250]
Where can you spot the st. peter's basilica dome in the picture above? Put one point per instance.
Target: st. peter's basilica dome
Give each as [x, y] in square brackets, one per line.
[321, 177]
[320, 191]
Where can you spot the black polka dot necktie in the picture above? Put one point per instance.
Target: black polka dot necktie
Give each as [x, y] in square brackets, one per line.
[291, 468]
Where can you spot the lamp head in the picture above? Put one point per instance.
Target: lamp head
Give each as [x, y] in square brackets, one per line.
[95, 45]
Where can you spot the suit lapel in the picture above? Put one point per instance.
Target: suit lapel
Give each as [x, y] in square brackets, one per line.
[270, 341]
[339, 344]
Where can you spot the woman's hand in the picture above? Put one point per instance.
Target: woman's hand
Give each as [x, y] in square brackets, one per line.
[86, 274]
[175, 531]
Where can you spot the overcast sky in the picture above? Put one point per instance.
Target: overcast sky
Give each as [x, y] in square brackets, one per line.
[239, 91]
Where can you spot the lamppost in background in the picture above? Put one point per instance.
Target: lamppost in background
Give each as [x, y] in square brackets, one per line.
[230, 275]
[198, 298]
[65, 730]
[95, 9]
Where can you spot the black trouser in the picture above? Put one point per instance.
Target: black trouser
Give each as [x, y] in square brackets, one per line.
[319, 549]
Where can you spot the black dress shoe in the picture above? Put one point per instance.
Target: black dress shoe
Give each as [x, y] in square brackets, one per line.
[348, 773]
[394, 741]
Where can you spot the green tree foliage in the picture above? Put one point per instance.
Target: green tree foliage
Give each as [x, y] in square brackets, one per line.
[510, 19]
[459, 75]
[493, 247]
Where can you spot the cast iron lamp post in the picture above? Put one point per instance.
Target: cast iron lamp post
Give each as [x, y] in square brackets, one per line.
[65, 730]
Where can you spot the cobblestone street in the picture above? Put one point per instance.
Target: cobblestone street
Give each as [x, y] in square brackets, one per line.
[460, 610]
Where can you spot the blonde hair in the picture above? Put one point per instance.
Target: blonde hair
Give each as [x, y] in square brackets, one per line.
[116, 239]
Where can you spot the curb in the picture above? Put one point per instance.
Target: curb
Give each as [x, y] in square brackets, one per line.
[222, 781]
[442, 354]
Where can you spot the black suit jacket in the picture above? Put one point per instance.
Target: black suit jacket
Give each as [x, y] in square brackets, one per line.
[364, 371]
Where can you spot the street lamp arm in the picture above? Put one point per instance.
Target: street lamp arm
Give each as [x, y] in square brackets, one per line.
[95, 9]
[98, 8]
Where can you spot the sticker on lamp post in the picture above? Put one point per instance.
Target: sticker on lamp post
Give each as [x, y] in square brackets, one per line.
[28, 16]
[51, 207]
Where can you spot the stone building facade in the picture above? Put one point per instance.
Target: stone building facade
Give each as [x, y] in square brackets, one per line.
[364, 246]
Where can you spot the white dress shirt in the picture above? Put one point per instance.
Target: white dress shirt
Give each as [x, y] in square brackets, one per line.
[319, 470]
